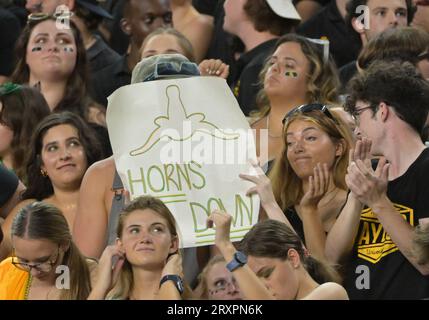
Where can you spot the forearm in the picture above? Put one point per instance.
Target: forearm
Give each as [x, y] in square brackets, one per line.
[399, 230]
[339, 241]
[251, 287]
[274, 212]
[315, 236]
[168, 291]
[97, 294]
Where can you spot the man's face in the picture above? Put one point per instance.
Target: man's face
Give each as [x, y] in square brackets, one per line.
[143, 17]
[385, 14]
[46, 6]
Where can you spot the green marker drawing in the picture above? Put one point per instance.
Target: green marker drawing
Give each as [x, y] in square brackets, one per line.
[173, 120]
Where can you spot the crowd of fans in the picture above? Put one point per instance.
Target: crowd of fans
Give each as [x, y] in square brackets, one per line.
[337, 92]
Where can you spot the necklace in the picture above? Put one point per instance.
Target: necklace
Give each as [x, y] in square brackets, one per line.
[268, 129]
[27, 287]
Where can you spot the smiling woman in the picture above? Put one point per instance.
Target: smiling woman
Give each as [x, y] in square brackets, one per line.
[145, 256]
[61, 150]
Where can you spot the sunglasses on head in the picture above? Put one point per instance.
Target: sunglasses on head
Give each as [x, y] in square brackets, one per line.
[305, 108]
[40, 16]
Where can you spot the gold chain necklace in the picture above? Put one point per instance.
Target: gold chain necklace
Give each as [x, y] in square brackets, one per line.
[27, 287]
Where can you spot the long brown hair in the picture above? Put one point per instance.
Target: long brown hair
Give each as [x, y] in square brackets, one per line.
[125, 281]
[323, 81]
[40, 220]
[75, 97]
[287, 186]
[22, 110]
[273, 239]
[40, 187]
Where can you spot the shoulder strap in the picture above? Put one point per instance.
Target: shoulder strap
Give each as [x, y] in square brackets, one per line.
[117, 206]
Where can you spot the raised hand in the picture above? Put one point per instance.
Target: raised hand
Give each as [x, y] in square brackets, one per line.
[318, 186]
[262, 185]
[108, 270]
[368, 185]
[214, 67]
[222, 221]
[173, 265]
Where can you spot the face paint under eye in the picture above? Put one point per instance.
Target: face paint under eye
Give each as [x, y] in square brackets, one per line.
[36, 49]
[291, 74]
[68, 49]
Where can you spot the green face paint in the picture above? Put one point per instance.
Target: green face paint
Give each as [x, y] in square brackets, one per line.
[291, 74]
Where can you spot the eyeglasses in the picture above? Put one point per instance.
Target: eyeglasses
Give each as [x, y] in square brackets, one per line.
[308, 108]
[168, 69]
[357, 112]
[41, 267]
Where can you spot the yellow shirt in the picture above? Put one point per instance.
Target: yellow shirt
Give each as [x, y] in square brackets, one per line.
[13, 281]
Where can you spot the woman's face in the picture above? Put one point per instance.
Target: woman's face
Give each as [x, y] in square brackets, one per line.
[307, 145]
[221, 284]
[287, 72]
[146, 239]
[6, 136]
[38, 256]
[63, 156]
[279, 276]
[51, 52]
[161, 44]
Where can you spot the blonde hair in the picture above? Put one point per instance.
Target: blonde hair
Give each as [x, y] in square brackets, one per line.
[287, 186]
[184, 43]
[202, 277]
[323, 81]
[125, 282]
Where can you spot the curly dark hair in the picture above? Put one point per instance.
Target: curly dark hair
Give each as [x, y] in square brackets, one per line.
[398, 84]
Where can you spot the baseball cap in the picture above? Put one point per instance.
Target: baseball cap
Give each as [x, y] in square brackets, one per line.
[94, 7]
[164, 66]
[284, 9]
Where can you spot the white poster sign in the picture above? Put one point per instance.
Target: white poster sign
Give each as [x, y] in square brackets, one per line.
[185, 141]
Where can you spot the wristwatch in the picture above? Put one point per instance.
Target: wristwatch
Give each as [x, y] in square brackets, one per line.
[177, 280]
[239, 260]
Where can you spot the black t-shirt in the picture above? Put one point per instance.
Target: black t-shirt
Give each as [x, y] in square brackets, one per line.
[111, 78]
[8, 185]
[344, 44]
[206, 6]
[9, 33]
[247, 84]
[296, 222]
[347, 72]
[391, 275]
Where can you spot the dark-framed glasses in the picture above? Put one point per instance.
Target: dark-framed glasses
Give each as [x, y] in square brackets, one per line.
[168, 69]
[41, 267]
[305, 108]
[357, 112]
